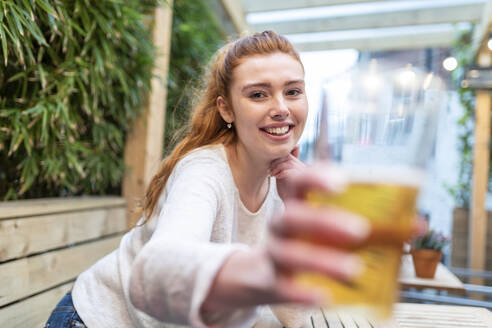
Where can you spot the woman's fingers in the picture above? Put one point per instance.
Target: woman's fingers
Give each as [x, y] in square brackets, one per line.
[292, 158]
[291, 255]
[284, 163]
[279, 161]
[295, 151]
[282, 167]
[321, 177]
[278, 170]
[325, 225]
[293, 154]
[288, 291]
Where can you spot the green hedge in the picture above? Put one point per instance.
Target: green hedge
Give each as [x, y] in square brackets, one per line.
[461, 190]
[75, 74]
[196, 35]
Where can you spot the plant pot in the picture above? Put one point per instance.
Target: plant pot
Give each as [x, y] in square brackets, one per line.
[425, 262]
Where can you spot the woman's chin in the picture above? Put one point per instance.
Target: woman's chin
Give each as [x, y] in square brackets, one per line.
[279, 153]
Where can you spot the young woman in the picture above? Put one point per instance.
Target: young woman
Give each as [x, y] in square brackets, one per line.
[203, 253]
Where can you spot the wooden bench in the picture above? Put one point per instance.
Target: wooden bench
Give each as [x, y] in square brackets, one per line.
[405, 315]
[45, 244]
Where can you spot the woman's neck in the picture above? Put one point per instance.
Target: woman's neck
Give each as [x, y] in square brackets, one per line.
[250, 176]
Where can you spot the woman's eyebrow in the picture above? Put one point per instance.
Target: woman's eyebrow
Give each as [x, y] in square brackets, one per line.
[268, 85]
[256, 85]
[294, 82]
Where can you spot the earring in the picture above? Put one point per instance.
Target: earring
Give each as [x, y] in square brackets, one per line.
[229, 125]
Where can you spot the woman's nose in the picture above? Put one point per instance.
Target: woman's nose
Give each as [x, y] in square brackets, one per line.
[280, 110]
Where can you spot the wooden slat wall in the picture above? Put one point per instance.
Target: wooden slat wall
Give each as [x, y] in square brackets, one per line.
[459, 240]
[45, 244]
[39, 307]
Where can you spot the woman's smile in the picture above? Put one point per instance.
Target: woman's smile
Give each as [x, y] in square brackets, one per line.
[278, 132]
[267, 105]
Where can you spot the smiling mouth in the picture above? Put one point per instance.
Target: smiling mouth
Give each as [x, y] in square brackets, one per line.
[279, 131]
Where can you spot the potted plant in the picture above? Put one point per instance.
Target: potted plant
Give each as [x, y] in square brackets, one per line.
[427, 252]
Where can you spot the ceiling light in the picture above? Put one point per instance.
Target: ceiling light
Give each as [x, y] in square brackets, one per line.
[450, 64]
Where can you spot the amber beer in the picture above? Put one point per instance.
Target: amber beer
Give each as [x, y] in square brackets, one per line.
[386, 196]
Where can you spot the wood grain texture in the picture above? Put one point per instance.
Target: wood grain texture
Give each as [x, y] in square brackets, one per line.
[460, 235]
[347, 320]
[318, 320]
[235, 12]
[144, 143]
[32, 207]
[332, 319]
[441, 316]
[32, 312]
[405, 315]
[28, 276]
[26, 236]
[478, 216]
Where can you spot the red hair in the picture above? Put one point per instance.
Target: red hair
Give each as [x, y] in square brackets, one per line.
[206, 126]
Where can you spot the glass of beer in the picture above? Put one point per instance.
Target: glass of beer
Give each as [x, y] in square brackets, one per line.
[377, 125]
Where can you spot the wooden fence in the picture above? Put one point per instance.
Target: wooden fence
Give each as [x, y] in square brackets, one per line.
[460, 240]
[45, 244]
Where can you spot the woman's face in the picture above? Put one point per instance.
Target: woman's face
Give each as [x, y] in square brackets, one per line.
[269, 105]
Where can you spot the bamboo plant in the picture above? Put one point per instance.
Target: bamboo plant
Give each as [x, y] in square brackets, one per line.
[73, 76]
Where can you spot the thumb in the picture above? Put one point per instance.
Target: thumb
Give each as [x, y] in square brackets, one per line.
[295, 151]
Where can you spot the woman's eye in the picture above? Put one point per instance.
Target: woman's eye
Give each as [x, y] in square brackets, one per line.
[257, 95]
[294, 92]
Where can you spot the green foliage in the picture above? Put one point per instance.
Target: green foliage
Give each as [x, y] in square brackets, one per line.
[463, 54]
[430, 240]
[461, 192]
[196, 35]
[74, 76]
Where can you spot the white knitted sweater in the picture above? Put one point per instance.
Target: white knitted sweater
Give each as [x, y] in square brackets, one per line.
[199, 221]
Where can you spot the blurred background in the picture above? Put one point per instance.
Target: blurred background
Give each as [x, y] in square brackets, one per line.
[92, 96]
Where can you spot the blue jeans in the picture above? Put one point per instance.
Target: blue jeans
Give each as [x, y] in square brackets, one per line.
[64, 315]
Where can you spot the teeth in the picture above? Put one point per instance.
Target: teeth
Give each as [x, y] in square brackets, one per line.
[278, 131]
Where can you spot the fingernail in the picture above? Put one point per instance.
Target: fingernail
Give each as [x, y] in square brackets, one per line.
[357, 226]
[352, 266]
[334, 178]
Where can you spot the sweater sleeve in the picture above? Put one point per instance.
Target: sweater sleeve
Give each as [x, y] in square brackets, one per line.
[173, 272]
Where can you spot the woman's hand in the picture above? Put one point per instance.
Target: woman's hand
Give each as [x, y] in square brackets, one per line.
[282, 168]
[264, 276]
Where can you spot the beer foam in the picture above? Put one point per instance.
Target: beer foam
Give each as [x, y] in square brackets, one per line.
[384, 174]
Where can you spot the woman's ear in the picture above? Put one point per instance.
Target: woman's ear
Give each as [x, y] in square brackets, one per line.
[225, 110]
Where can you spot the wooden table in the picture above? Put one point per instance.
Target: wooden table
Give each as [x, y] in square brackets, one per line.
[443, 280]
[406, 315]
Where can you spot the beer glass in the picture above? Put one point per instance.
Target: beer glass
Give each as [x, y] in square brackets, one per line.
[378, 126]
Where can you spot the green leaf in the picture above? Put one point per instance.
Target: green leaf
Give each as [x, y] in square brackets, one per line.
[18, 76]
[47, 7]
[4, 45]
[27, 141]
[36, 33]
[15, 141]
[76, 74]
[42, 76]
